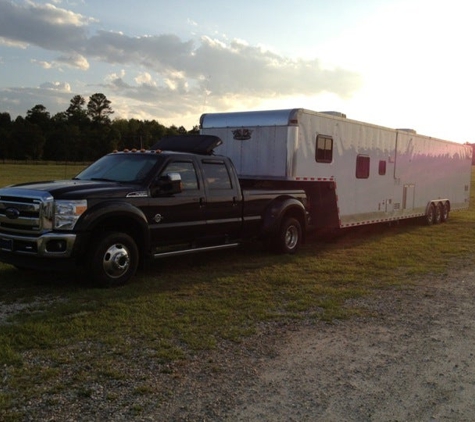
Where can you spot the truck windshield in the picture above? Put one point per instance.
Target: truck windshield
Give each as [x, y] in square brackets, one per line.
[124, 168]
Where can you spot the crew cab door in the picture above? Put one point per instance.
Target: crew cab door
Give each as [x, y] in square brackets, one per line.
[223, 208]
[178, 217]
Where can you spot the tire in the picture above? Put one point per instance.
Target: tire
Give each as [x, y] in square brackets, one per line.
[437, 214]
[430, 216]
[113, 259]
[289, 237]
[444, 215]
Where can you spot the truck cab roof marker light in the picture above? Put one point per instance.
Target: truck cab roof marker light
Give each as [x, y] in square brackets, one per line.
[143, 151]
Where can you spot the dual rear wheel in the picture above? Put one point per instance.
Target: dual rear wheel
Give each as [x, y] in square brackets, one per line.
[437, 213]
[288, 238]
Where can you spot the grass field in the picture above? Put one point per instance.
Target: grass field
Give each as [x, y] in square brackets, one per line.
[182, 305]
[21, 173]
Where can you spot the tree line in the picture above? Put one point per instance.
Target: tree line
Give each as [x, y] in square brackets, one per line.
[83, 132]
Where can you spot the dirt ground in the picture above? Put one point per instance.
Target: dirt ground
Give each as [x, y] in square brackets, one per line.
[410, 359]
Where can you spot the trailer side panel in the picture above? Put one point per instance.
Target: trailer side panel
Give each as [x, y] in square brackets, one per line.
[353, 172]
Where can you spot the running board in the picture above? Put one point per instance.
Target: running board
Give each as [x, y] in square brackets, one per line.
[195, 250]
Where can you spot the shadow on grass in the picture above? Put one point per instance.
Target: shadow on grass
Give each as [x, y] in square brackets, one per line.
[17, 284]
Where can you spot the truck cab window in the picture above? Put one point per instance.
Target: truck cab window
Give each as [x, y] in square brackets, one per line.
[124, 168]
[216, 175]
[324, 149]
[187, 171]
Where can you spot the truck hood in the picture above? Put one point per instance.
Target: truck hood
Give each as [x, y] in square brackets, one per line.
[77, 189]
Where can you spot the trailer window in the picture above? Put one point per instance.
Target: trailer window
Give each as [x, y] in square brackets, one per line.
[324, 149]
[362, 167]
[382, 167]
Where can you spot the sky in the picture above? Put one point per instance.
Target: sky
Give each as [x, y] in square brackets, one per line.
[394, 63]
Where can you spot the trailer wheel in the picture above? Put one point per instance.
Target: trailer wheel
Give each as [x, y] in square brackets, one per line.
[437, 213]
[444, 211]
[289, 237]
[113, 259]
[430, 216]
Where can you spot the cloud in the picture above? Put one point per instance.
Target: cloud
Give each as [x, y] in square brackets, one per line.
[45, 26]
[213, 71]
[159, 53]
[243, 69]
[180, 75]
[145, 79]
[74, 60]
[225, 68]
[56, 86]
[113, 76]
[11, 43]
[43, 64]
[53, 95]
[232, 67]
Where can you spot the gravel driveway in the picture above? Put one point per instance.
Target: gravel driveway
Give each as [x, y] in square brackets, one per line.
[411, 360]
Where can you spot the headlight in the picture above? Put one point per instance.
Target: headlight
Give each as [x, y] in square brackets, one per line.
[67, 213]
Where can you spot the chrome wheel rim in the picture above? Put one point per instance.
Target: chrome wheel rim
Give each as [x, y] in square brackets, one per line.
[116, 260]
[291, 237]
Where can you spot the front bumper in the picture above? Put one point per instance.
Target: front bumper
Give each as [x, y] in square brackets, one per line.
[52, 251]
[48, 245]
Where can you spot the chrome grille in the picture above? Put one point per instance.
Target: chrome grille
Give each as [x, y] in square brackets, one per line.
[24, 211]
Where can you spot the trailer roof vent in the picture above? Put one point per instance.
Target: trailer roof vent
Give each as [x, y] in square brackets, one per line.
[335, 113]
[407, 130]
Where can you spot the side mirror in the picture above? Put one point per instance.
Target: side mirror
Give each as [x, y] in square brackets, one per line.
[168, 184]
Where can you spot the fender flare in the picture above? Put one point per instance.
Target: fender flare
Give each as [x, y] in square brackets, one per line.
[102, 215]
[278, 209]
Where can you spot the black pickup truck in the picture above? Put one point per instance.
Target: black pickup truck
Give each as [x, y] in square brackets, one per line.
[128, 206]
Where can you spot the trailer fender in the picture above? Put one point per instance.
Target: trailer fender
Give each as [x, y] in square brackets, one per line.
[280, 208]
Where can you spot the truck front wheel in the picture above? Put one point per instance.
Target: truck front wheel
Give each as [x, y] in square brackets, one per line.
[113, 259]
[289, 237]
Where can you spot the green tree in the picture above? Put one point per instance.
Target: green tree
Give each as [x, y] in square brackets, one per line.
[182, 130]
[5, 120]
[80, 133]
[64, 143]
[99, 109]
[27, 140]
[195, 130]
[33, 132]
[40, 117]
[154, 131]
[172, 131]
[5, 128]
[76, 112]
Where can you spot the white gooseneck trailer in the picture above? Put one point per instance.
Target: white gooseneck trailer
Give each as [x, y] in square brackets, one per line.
[354, 173]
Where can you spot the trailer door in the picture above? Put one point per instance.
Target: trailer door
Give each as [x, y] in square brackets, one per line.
[404, 156]
[408, 197]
